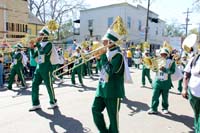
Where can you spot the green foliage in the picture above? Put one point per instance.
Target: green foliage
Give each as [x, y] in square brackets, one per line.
[173, 30]
[66, 29]
[193, 31]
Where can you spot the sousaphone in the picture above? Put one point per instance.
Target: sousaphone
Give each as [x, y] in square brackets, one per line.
[189, 42]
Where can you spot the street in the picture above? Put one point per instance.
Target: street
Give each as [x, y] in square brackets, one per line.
[74, 112]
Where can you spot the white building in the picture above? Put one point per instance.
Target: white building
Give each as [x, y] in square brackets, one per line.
[99, 19]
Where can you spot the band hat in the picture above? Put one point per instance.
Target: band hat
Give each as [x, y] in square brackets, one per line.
[184, 54]
[164, 51]
[44, 31]
[146, 52]
[19, 45]
[111, 35]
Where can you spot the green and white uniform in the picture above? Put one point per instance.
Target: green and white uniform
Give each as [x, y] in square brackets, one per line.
[146, 72]
[43, 72]
[194, 90]
[17, 68]
[161, 85]
[77, 70]
[109, 91]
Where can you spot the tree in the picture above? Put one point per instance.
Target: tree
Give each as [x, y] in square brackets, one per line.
[58, 10]
[66, 29]
[54, 9]
[173, 30]
[196, 5]
[194, 31]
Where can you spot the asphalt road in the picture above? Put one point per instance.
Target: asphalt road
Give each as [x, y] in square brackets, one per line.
[74, 112]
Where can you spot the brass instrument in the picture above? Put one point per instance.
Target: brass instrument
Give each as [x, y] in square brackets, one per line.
[97, 47]
[189, 42]
[157, 63]
[147, 62]
[85, 58]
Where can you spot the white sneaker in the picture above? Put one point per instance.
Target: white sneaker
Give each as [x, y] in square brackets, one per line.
[53, 106]
[165, 111]
[34, 108]
[152, 112]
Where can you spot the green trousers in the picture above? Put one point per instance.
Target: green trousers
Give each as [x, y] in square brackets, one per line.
[157, 91]
[89, 68]
[79, 72]
[112, 106]
[195, 103]
[15, 71]
[180, 87]
[39, 76]
[146, 72]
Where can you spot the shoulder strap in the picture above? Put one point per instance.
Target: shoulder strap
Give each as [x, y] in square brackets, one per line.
[121, 62]
[193, 63]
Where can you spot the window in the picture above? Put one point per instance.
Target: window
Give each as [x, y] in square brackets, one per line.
[110, 21]
[90, 23]
[156, 30]
[129, 22]
[6, 26]
[139, 25]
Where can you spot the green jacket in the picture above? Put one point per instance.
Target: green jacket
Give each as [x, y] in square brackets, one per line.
[166, 84]
[46, 52]
[17, 60]
[114, 88]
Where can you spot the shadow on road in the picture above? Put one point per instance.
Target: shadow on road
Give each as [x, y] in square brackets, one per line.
[69, 124]
[186, 120]
[87, 88]
[135, 106]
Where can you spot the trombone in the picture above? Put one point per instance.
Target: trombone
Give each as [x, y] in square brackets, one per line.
[86, 57]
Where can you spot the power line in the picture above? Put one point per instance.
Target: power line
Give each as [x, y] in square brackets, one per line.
[187, 20]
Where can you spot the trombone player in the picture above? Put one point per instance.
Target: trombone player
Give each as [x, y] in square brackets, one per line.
[146, 68]
[78, 69]
[111, 84]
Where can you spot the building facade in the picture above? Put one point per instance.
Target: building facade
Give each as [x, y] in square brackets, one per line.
[34, 25]
[96, 21]
[13, 19]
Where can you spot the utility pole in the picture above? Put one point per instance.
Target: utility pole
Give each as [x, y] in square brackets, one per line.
[147, 22]
[187, 20]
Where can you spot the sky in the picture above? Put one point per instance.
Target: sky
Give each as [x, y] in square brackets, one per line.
[171, 11]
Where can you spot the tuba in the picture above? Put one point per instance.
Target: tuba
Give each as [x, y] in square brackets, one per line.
[147, 62]
[157, 63]
[189, 42]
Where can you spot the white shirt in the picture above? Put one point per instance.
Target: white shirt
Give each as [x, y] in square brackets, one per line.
[194, 82]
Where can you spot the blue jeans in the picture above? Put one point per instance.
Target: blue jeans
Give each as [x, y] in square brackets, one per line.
[1, 74]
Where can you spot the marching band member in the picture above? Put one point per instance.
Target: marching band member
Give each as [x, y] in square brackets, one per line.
[191, 88]
[17, 68]
[146, 68]
[162, 83]
[76, 69]
[43, 70]
[137, 57]
[180, 63]
[111, 85]
[61, 62]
